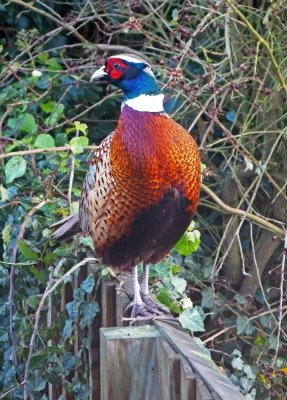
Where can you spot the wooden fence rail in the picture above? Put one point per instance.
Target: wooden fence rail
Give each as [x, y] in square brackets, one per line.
[154, 362]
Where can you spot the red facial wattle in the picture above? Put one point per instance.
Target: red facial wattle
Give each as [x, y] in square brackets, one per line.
[116, 68]
[116, 74]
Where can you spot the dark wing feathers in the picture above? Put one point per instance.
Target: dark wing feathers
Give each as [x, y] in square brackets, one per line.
[154, 232]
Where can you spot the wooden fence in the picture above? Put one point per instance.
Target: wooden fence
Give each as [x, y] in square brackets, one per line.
[154, 362]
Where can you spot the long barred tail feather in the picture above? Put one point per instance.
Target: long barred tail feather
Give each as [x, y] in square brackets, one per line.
[66, 228]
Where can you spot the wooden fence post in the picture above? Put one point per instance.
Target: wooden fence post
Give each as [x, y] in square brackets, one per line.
[129, 363]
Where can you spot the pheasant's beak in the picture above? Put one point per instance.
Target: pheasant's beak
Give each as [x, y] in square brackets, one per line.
[99, 74]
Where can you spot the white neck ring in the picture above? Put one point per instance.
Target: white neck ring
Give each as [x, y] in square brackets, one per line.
[146, 102]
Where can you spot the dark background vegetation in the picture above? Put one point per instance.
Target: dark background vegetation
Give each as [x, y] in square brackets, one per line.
[222, 66]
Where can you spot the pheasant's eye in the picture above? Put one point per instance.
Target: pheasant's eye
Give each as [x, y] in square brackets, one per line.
[116, 65]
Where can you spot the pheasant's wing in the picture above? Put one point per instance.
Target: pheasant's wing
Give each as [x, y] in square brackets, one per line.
[94, 178]
[73, 224]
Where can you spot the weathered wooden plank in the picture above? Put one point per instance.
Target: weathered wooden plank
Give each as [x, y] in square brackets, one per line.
[187, 380]
[215, 396]
[168, 365]
[93, 360]
[202, 393]
[215, 380]
[129, 363]
[108, 301]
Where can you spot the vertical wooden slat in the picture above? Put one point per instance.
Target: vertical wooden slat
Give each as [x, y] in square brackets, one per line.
[122, 300]
[108, 302]
[76, 284]
[202, 393]
[187, 380]
[67, 296]
[50, 342]
[168, 371]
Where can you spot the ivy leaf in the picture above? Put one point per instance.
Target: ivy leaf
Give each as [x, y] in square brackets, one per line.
[8, 373]
[164, 297]
[204, 350]
[244, 326]
[89, 310]
[3, 335]
[69, 361]
[236, 353]
[39, 359]
[4, 193]
[6, 234]
[3, 276]
[28, 123]
[88, 284]
[27, 251]
[15, 168]
[249, 372]
[78, 144]
[55, 116]
[179, 284]
[251, 395]
[272, 342]
[44, 140]
[38, 274]
[237, 363]
[175, 268]
[37, 382]
[68, 329]
[48, 107]
[79, 127]
[50, 258]
[207, 298]
[246, 383]
[189, 242]
[186, 303]
[240, 299]
[260, 340]
[87, 241]
[72, 309]
[161, 269]
[192, 319]
[33, 301]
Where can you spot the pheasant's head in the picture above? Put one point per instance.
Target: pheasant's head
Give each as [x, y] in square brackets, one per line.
[134, 76]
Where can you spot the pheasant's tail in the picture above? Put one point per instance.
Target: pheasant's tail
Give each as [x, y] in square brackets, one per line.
[66, 227]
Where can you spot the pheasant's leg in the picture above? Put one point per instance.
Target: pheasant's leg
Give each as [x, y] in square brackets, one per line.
[152, 306]
[144, 282]
[138, 307]
[136, 287]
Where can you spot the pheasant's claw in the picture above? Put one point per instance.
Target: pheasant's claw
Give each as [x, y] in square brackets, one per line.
[153, 306]
[141, 310]
[149, 308]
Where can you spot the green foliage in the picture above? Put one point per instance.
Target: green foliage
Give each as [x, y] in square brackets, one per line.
[192, 319]
[44, 140]
[15, 168]
[78, 144]
[189, 242]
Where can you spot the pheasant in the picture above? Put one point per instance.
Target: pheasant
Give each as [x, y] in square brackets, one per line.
[142, 187]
